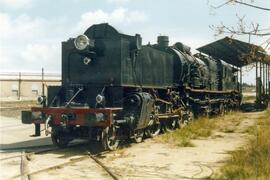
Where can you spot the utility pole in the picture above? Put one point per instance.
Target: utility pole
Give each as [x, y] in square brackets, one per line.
[42, 80]
[19, 86]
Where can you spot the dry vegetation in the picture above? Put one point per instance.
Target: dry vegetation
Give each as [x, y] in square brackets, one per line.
[249, 162]
[182, 137]
[253, 160]
[202, 127]
[229, 122]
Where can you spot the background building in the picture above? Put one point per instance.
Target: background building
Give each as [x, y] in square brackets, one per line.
[25, 86]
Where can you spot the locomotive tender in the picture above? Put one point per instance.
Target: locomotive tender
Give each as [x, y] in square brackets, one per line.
[114, 88]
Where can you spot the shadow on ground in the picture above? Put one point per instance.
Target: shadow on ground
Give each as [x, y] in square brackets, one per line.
[252, 107]
[26, 144]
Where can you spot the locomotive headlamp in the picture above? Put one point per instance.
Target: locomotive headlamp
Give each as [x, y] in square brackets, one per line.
[100, 98]
[81, 42]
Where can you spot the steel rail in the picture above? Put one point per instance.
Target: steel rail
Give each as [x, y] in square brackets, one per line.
[103, 166]
[72, 161]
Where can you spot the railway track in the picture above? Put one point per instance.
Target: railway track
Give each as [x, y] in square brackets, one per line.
[36, 149]
[7, 150]
[26, 158]
[72, 161]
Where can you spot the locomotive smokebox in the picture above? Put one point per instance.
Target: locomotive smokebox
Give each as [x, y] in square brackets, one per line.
[163, 41]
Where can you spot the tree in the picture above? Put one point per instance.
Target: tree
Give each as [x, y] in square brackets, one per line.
[242, 27]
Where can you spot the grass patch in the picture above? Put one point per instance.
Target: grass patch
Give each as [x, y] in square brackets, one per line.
[229, 129]
[182, 137]
[202, 127]
[252, 161]
[251, 130]
[229, 123]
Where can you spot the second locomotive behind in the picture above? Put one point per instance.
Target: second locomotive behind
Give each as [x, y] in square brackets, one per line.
[114, 88]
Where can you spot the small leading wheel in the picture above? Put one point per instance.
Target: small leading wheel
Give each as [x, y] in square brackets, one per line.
[170, 124]
[187, 117]
[108, 139]
[138, 135]
[59, 138]
[153, 130]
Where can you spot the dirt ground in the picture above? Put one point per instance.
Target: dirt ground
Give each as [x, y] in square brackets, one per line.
[152, 160]
[148, 160]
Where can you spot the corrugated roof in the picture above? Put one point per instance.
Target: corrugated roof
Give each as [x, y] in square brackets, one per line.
[235, 52]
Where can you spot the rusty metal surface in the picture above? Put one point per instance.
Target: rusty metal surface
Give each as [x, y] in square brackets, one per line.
[80, 119]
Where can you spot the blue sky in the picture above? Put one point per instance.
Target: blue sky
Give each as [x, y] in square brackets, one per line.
[31, 31]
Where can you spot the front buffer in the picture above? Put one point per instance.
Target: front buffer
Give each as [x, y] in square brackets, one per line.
[65, 124]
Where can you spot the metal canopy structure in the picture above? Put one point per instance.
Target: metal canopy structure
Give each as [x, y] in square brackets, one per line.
[235, 52]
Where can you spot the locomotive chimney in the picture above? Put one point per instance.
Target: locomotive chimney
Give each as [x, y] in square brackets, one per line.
[163, 41]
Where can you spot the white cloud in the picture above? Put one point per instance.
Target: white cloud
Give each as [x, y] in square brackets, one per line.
[38, 53]
[5, 24]
[23, 26]
[118, 16]
[118, 2]
[16, 3]
[27, 43]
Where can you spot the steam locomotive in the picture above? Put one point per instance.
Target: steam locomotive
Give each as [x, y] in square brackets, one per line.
[114, 88]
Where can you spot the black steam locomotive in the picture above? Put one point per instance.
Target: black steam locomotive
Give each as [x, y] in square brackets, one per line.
[114, 88]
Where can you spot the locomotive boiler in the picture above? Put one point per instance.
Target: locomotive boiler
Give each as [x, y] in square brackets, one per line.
[114, 88]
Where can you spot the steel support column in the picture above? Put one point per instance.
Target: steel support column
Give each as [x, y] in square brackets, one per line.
[241, 80]
[256, 68]
[266, 79]
[260, 83]
[263, 74]
[268, 72]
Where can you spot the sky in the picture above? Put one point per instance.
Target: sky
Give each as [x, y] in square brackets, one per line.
[31, 31]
